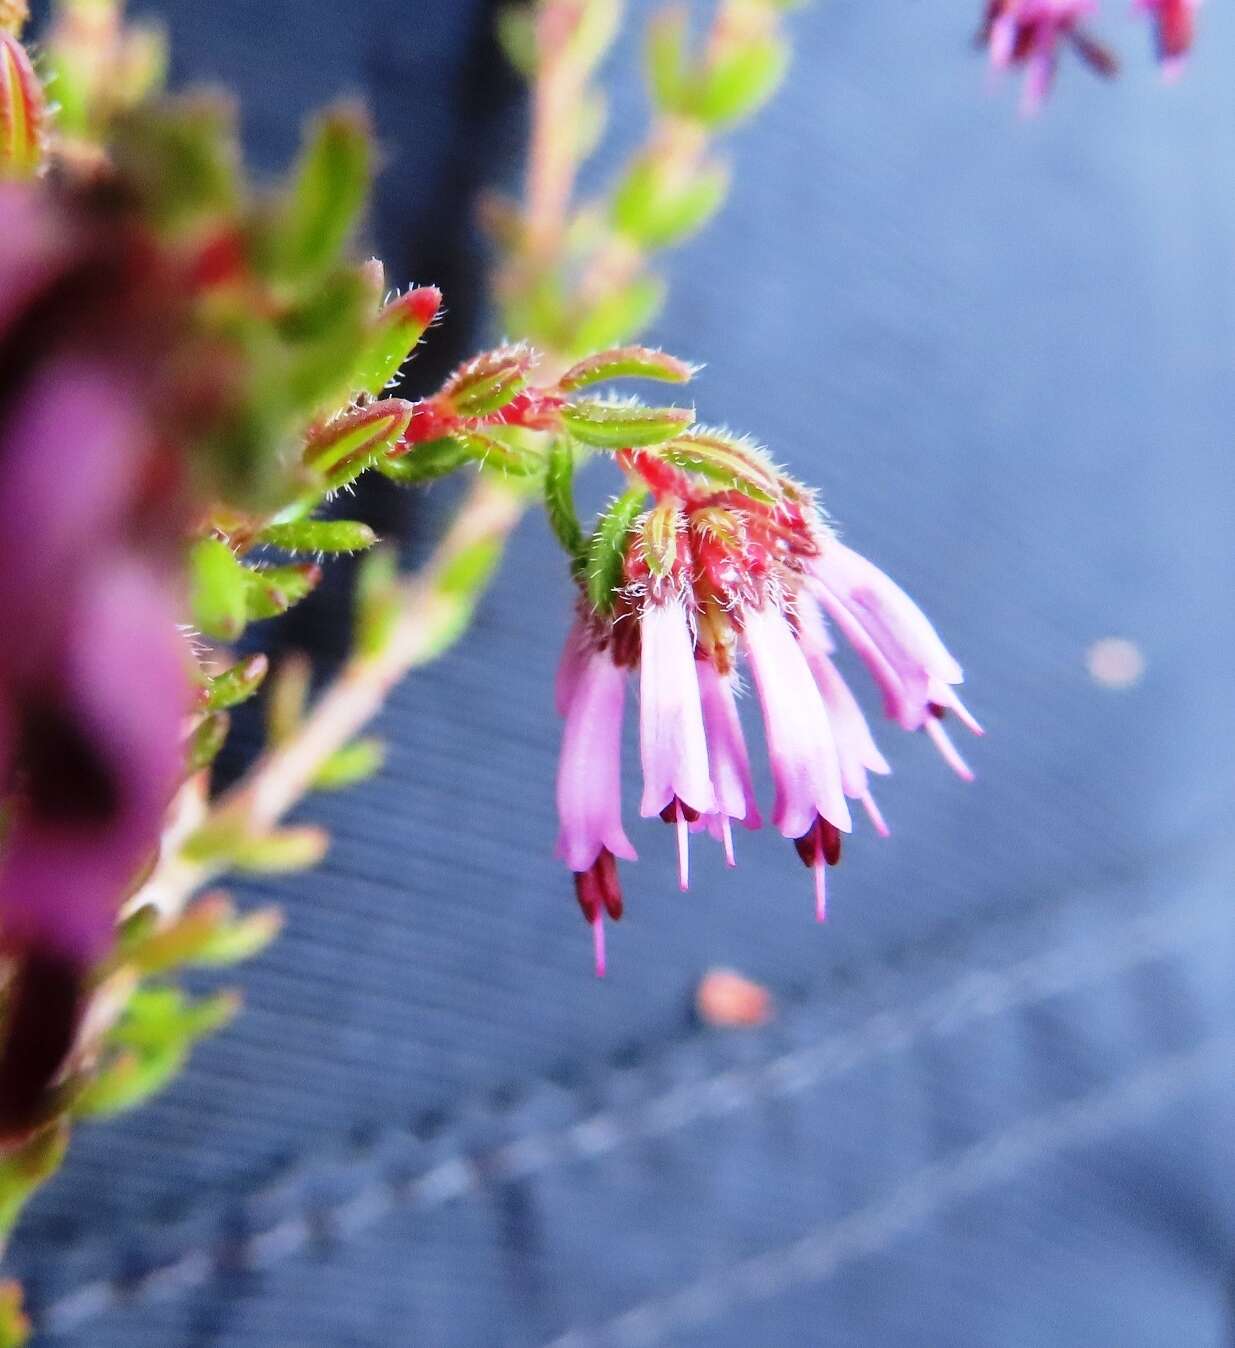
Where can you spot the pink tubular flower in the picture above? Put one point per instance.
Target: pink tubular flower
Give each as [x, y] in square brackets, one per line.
[730, 765]
[1174, 24]
[1029, 33]
[707, 575]
[896, 642]
[589, 789]
[677, 783]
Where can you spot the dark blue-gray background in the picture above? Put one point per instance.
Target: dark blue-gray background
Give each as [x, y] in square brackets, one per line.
[996, 1106]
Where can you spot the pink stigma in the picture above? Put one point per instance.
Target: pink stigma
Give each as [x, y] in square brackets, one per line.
[876, 816]
[598, 944]
[947, 749]
[726, 832]
[683, 826]
[821, 889]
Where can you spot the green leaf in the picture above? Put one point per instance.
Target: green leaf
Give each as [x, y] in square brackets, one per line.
[287, 696]
[731, 463]
[206, 741]
[272, 590]
[516, 34]
[208, 934]
[665, 59]
[355, 762]
[180, 156]
[623, 425]
[619, 315]
[343, 448]
[560, 500]
[656, 206]
[393, 337]
[425, 462]
[22, 1171]
[607, 549]
[319, 536]
[488, 382]
[330, 186]
[237, 684]
[626, 362]
[379, 602]
[491, 452]
[739, 83]
[218, 586]
[226, 841]
[456, 591]
[150, 1046]
[14, 1323]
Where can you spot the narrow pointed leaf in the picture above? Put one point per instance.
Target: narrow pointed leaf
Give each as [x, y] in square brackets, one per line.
[488, 382]
[426, 461]
[618, 316]
[272, 590]
[218, 587]
[656, 208]
[320, 536]
[607, 550]
[665, 59]
[237, 684]
[332, 180]
[560, 500]
[623, 425]
[740, 82]
[21, 111]
[286, 697]
[354, 763]
[736, 465]
[626, 362]
[379, 601]
[206, 742]
[342, 449]
[394, 336]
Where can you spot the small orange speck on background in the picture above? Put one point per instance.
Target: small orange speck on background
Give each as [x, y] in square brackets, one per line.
[727, 1000]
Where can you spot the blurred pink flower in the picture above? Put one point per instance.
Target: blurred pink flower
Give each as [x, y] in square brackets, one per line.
[1030, 34]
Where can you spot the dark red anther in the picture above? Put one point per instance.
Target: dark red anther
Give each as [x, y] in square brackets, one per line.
[936, 710]
[821, 840]
[677, 809]
[599, 887]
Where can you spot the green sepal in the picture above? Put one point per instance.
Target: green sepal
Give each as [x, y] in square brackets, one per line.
[727, 461]
[607, 550]
[656, 207]
[488, 382]
[218, 588]
[623, 425]
[626, 362]
[206, 742]
[560, 501]
[354, 763]
[379, 601]
[22, 1171]
[319, 536]
[331, 182]
[272, 590]
[237, 684]
[343, 448]
[736, 85]
[660, 537]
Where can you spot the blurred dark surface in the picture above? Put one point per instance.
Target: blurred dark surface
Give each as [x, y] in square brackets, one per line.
[997, 1105]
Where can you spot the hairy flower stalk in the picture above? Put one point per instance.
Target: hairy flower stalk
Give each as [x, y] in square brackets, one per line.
[708, 577]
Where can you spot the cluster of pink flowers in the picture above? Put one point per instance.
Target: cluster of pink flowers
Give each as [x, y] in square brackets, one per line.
[1032, 33]
[93, 675]
[723, 576]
